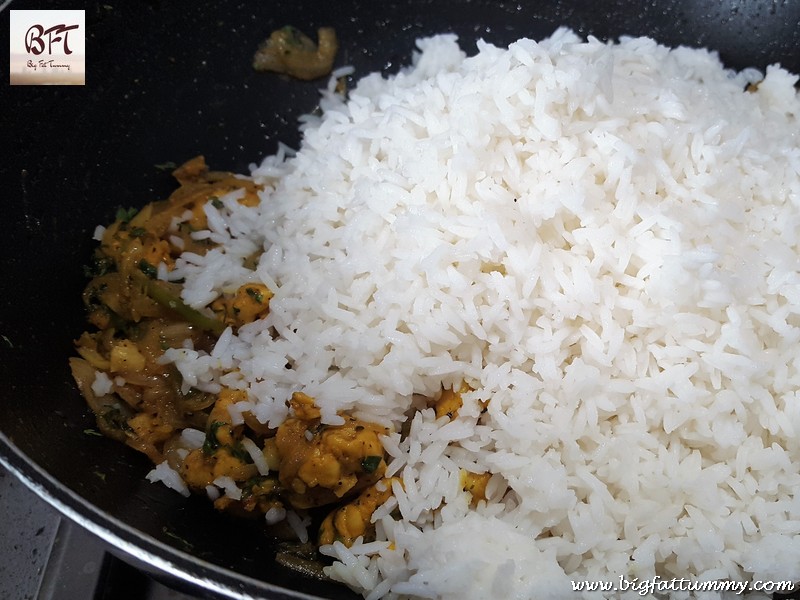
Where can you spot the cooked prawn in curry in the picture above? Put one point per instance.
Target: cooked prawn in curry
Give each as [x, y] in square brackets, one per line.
[139, 399]
[289, 51]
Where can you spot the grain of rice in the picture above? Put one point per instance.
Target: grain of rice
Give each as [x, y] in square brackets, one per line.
[169, 477]
[193, 438]
[275, 514]
[102, 384]
[299, 525]
[255, 453]
[228, 485]
[212, 492]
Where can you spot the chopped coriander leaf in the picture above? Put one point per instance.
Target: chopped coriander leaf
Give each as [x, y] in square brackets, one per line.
[319, 428]
[238, 451]
[216, 202]
[98, 266]
[115, 419]
[211, 442]
[125, 215]
[167, 166]
[370, 463]
[255, 295]
[148, 269]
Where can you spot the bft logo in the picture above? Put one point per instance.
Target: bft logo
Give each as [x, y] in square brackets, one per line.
[35, 38]
[48, 47]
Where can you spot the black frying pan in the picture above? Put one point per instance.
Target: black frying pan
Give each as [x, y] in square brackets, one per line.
[167, 81]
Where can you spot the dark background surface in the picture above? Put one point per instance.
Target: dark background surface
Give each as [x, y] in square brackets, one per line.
[167, 81]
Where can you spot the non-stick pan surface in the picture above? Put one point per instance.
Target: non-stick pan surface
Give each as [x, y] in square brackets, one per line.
[167, 81]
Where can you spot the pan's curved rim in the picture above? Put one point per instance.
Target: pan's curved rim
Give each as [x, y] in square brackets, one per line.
[144, 551]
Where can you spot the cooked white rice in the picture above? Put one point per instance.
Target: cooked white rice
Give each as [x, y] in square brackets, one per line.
[602, 241]
[169, 477]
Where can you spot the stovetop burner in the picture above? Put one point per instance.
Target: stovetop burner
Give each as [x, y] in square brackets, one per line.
[45, 556]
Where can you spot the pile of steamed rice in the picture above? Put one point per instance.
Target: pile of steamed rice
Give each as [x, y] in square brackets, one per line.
[602, 241]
